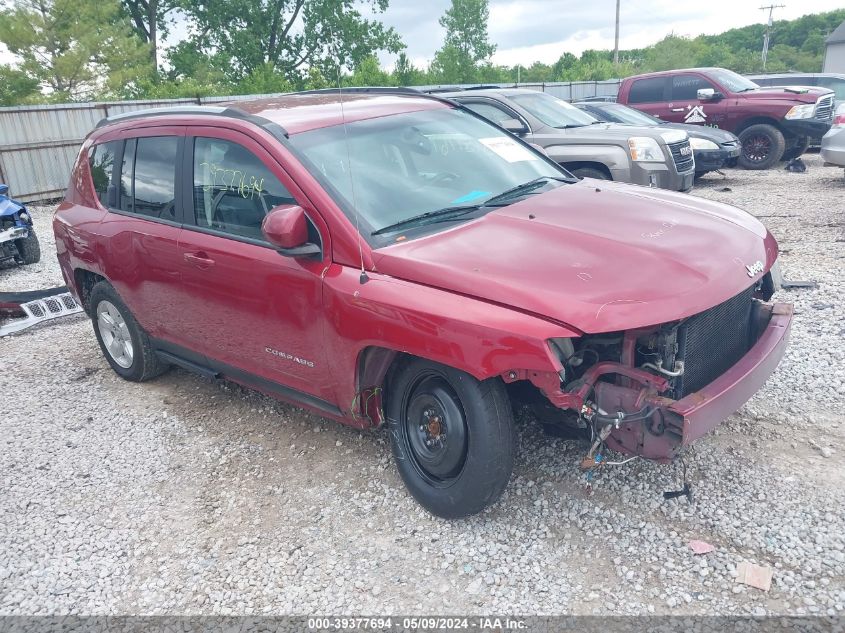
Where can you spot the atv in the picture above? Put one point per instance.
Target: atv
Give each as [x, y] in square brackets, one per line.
[18, 242]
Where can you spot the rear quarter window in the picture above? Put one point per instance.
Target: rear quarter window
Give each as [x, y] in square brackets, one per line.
[101, 159]
[649, 90]
[148, 177]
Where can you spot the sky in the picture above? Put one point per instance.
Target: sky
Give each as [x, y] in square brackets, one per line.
[541, 30]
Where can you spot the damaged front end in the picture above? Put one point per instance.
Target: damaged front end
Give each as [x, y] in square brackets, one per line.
[651, 391]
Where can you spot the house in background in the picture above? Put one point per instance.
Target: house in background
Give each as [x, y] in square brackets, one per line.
[834, 52]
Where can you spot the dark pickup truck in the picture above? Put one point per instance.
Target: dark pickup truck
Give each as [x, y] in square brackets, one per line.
[773, 124]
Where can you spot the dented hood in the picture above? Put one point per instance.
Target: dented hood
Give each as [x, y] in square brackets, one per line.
[597, 256]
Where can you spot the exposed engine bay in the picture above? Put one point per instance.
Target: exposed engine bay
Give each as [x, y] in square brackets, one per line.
[623, 389]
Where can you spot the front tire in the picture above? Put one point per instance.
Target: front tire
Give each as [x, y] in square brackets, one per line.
[589, 172]
[124, 343]
[29, 248]
[762, 146]
[452, 437]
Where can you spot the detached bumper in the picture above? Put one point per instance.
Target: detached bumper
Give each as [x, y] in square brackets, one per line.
[708, 407]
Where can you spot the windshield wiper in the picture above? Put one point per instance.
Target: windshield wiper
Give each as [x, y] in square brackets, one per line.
[453, 212]
[525, 187]
[429, 217]
[569, 125]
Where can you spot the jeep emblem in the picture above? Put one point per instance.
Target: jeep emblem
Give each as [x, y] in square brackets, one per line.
[753, 269]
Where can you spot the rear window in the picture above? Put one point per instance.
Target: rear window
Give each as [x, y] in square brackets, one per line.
[101, 159]
[647, 90]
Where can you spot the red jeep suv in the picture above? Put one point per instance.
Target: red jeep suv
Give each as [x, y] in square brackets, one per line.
[386, 257]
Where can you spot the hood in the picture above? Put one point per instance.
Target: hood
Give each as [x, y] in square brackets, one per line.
[714, 134]
[786, 93]
[597, 256]
[9, 207]
[606, 131]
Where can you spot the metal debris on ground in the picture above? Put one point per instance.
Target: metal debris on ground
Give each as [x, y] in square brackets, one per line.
[37, 307]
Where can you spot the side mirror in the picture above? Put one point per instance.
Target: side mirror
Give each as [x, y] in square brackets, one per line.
[514, 126]
[708, 94]
[286, 228]
[4, 189]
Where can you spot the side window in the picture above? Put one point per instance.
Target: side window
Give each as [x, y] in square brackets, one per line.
[127, 167]
[647, 90]
[233, 189]
[686, 87]
[489, 111]
[101, 159]
[155, 177]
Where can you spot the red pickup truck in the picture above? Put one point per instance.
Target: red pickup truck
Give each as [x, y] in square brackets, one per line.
[773, 124]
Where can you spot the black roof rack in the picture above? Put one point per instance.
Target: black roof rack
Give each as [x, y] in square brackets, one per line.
[229, 111]
[361, 90]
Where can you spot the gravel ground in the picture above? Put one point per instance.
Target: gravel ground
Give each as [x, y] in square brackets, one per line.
[188, 496]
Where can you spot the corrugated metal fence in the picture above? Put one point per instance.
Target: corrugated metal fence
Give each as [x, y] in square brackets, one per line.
[38, 144]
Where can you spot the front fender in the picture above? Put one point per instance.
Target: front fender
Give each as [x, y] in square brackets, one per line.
[615, 158]
[481, 338]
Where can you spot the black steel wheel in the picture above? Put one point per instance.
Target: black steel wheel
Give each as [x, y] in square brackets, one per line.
[762, 146]
[452, 436]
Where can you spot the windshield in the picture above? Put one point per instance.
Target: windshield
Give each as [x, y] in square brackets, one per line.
[623, 114]
[730, 80]
[393, 168]
[552, 111]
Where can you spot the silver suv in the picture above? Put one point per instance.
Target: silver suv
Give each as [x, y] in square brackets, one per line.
[643, 155]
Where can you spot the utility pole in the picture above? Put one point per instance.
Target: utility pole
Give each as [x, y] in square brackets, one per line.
[616, 45]
[771, 8]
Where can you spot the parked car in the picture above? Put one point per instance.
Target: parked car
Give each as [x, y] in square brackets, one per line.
[18, 242]
[584, 145]
[384, 257]
[833, 143]
[713, 148]
[834, 81]
[772, 124]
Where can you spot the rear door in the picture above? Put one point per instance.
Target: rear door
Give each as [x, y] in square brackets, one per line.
[651, 94]
[685, 106]
[141, 231]
[256, 314]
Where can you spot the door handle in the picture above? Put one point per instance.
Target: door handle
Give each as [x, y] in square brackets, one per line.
[200, 260]
[677, 109]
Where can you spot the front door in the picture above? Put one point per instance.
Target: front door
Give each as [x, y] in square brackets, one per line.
[686, 107]
[255, 314]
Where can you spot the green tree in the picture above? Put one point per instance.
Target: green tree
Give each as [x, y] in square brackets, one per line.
[149, 21]
[466, 45]
[404, 74]
[369, 73]
[16, 87]
[241, 36]
[75, 49]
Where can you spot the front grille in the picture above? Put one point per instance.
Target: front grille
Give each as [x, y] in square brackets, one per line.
[824, 108]
[711, 342]
[684, 160]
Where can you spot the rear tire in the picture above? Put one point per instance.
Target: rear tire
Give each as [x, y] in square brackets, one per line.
[124, 343]
[589, 172]
[29, 248]
[452, 436]
[762, 146]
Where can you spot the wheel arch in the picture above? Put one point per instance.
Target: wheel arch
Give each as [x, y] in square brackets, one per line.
[85, 280]
[755, 120]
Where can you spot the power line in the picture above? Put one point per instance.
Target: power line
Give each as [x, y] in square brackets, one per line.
[771, 8]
